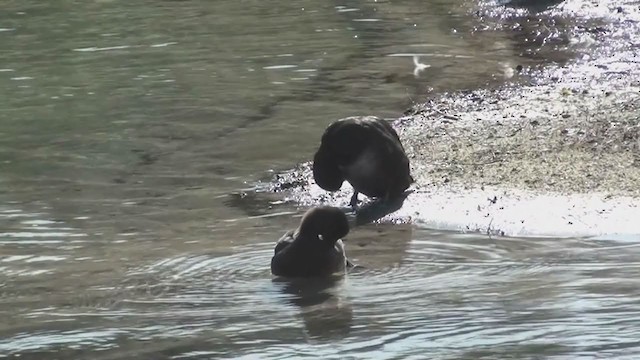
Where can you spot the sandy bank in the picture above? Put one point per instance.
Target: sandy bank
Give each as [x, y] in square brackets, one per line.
[553, 152]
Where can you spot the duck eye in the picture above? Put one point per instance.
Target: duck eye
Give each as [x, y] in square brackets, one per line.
[320, 237]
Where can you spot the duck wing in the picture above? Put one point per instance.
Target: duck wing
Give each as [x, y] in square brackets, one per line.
[384, 127]
[345, 139]
[284, 241]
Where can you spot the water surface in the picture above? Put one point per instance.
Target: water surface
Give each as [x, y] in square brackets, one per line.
[132, 134]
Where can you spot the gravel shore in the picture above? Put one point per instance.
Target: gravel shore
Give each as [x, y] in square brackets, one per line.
[553, 150]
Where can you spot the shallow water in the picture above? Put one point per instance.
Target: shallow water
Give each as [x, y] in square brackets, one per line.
[133, 132]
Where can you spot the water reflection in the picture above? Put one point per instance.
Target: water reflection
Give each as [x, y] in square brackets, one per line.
[379, 248]
[379, 208]
[324, 308]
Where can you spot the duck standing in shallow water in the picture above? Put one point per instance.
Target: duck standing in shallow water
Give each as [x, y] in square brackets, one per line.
[365, 151]
[314, 248]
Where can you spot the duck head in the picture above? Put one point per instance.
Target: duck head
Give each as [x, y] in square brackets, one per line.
[326, 172]
[329, 223]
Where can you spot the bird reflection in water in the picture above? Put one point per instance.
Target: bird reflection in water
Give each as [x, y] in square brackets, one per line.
[377, 209]
[325, 311]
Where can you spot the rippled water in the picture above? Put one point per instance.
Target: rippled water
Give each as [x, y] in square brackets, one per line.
[132, 135]
[418, 293]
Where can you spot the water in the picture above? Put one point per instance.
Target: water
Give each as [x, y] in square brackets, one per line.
[132, 132]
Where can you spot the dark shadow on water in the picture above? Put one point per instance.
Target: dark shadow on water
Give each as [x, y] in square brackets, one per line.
[325, 312]
[378, 209]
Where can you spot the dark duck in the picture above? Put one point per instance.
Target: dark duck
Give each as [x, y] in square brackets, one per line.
[314, 249]
[365, 151]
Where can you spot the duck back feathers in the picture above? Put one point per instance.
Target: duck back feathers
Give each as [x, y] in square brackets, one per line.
[314, 248]
[367, 152]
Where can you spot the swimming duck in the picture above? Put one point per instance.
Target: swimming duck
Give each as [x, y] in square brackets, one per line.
[314, 248]
[365, 151]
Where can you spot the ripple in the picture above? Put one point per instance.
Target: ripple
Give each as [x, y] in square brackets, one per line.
[32, 258]
[108, 48]
[47, 339]
[182, 282]
[278, 67]
[34, 228]
[32, 234]
[344, 9]
[244, 264]
[163, 44]
[16, 213]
